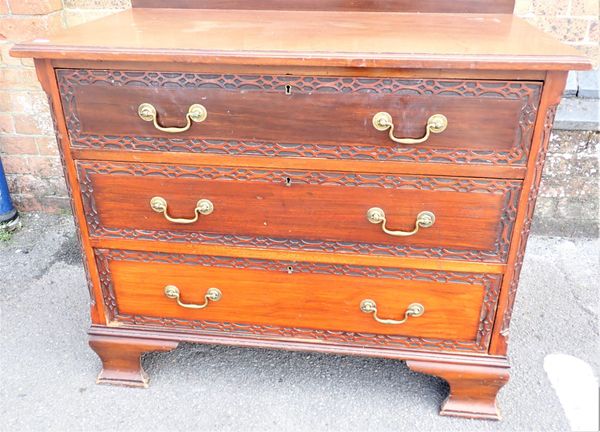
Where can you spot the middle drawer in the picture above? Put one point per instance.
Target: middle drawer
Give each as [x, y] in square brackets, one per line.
[376, 214]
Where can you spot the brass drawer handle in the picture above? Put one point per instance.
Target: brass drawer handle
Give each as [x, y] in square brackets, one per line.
[203, 207]
[437, 123]
[212, 294]
[197, 113]
[425, 219]
[414, 310]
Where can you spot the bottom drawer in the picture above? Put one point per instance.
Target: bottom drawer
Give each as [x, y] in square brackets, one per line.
[325, 302]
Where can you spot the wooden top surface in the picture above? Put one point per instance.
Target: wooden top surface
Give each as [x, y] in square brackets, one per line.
[435, 6]
[307, 38]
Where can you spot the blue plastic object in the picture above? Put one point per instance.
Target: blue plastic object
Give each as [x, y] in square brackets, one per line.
[7, 210]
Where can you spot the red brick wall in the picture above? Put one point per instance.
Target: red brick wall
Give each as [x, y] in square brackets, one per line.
[572, 21]
[27, 145]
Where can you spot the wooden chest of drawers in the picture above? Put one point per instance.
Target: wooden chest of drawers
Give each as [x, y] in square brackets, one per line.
[366, 189]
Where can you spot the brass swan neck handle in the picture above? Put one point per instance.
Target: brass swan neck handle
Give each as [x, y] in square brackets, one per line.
[196, 113]
[425, 219]
[413, 310]
[203, 207]
[437, 123]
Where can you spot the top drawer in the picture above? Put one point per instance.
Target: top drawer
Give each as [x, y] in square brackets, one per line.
[488, 122]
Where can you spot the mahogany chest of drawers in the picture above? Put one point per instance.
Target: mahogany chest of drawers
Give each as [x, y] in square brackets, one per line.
[319, 178]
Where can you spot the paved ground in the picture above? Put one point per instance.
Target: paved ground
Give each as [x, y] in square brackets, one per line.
[47, 371]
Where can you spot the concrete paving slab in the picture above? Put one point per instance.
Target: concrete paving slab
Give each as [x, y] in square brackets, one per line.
[572, 85]
[47, 371]
[578, 114]
[588, 83]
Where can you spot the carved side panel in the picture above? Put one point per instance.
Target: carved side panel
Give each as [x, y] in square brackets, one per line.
[535, 189]
[508, 189]
[490, 282]
[90, 285]
[527, 93]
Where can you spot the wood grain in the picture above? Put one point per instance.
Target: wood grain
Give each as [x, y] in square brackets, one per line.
[489, 122]
[551, 96]
[305, 300]
[473, 389]
[317, 38]
[256, 69]
[343, 165]
[302, 209]
[47, 78]
[300, 256]
[121, 358]
[306, 208]
[437, 6]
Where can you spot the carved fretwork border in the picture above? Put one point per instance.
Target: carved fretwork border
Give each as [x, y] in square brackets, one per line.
[524, 235]
[526, 92]
[509, 189]
[63, 163]
[490, 282]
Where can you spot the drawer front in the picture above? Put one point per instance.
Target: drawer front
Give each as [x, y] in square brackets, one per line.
[281, 299]
[302, 210]
[489, 122]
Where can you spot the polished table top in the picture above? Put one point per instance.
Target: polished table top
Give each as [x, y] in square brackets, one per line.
[305, 38]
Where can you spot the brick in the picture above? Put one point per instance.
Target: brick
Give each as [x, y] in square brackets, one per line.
[5, 57]
[33, 185]
[38, 124]
[550, 8]
[5, 100]
[6, 124]
[19, 79]
[25, 184]
[75, 17]
[26, 202]
[584, 7]
[45, 166]
[55, 204]
[98, 4]
[47, 146]
[566, 29]
[15, 164]
[3, 7]
[28, 102]
[592, 51]
[32, 203]
[594, 32]
[18, 145]
[18, 28]
[28, 62]
[56, 187]
[34, 7]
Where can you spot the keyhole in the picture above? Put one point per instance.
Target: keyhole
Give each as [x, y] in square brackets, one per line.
[288, 89]
[290, 269]
[288, 181]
